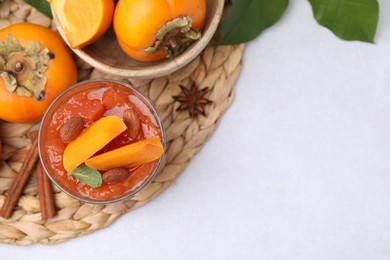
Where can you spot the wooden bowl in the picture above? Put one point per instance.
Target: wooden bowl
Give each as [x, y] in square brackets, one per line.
[106, 55]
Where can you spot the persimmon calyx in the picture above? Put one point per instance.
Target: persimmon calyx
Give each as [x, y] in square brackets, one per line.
[23, 68]
[175, 36]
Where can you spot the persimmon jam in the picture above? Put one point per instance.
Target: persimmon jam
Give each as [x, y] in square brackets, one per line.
[93, 102]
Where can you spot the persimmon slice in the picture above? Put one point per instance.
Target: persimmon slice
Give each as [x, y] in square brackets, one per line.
[92, 140]
[130, 155]
[83, 21]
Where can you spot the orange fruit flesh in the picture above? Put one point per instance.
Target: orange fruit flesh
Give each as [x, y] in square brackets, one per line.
[92, 140]
[83, 21]
[130, 155]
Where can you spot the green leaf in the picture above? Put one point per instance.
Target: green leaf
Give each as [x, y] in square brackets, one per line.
[348, 19]
[87, 175]
[248, 18]
[42, 6]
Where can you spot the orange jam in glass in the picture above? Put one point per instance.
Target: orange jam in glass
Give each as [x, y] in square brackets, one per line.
[93, 100]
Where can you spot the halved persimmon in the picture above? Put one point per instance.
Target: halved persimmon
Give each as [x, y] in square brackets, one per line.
[83, 21]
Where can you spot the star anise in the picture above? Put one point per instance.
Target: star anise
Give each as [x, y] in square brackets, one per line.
[193, 100]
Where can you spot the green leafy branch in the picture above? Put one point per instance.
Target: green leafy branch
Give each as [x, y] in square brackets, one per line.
[350, 20]
[244, 20]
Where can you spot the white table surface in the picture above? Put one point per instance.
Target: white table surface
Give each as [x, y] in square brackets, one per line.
[299, 167]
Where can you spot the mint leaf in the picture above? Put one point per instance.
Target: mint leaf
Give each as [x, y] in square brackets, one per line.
[87, 175]
[248, 18]
[348, 19]
[42, 6]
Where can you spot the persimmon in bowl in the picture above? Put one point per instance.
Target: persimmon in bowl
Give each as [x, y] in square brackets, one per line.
[125, 39]
[101, 141]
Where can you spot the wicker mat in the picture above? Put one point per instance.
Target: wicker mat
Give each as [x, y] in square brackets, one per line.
[216, 68]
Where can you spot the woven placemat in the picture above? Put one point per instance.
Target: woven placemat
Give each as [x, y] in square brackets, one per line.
[216, 68]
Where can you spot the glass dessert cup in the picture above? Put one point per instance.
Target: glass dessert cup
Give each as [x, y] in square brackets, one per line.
[93, 100]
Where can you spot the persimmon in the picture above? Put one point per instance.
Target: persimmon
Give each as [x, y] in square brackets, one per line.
[35, 67]
[92, 140]
[150, 30]
[130, 155]
[83, 21]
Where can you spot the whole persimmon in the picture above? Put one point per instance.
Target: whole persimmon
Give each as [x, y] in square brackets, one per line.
[35, 67]
[150, 30]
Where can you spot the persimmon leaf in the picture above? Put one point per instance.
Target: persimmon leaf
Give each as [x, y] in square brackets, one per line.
[248, 18]
[42, 6]
[348, 19]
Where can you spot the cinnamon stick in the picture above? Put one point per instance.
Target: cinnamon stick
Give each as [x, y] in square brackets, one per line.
[45, 193]
[20, 181]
